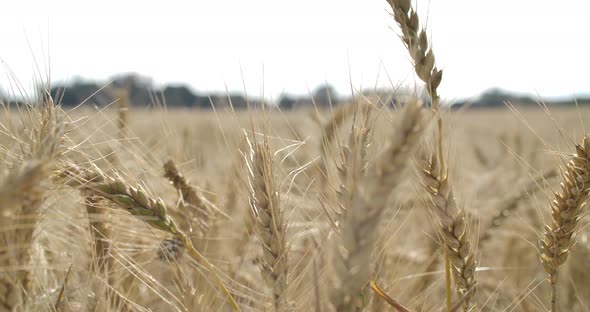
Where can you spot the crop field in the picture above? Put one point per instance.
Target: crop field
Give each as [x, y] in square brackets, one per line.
[82, 245]
[362, 207]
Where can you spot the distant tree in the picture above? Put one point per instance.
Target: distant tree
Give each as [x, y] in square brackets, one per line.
[202, 101]
[218, 100]
[325, 95]
[140, 88]
[79, 92]
[179, 96]
[141, 92]
[132, 80]
[238, 101]
[287, 102]
[497, 97]
[493, 97]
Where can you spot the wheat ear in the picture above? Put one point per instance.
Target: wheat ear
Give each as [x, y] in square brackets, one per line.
[510, 204]
[22, 196]
[265, 205]
[24, 187]
[329, 135]
[386, 175]
[356, 224]
[190, 196]
[363, 195]
[416, 42]
[453, 228]
[396, 155]
[566, 212]
[122, 111]
[353, 159]
[153, 211]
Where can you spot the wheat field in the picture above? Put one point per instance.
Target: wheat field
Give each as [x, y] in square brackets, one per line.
[362, 207]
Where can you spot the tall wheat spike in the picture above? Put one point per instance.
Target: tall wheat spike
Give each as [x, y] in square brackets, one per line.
[363, 196]
[454, 230]
[566, 212]
[269, 216]
[356, 222]
[417, 44]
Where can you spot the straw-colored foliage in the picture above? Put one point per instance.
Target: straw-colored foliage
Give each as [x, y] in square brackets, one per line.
[366, 207]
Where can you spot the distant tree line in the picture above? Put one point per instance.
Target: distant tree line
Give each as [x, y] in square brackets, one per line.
[497, 98]
[141, 92]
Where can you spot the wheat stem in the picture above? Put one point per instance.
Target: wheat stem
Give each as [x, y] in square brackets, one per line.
[394, 303]
[199, 258]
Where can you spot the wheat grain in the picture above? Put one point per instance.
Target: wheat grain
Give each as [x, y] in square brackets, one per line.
[566, 211]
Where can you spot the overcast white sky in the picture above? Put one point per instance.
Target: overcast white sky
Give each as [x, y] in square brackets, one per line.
[533, 46]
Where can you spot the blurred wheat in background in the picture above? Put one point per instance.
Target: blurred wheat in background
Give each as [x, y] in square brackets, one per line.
[365, 206]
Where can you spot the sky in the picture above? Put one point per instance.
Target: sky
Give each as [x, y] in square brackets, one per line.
[270, 47]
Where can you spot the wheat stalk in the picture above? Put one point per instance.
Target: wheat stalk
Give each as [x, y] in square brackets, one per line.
[352, 166]
[510, 204]
[416, 42]
[566, 212]
[454, 229]
[403, 141]
[122, 111]
[191, 197]
[271, 227]
[151, 210]
[356, 224]
[100, 231]
[23, 194]
[363, 196]
[329, 135]
[23, 190]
